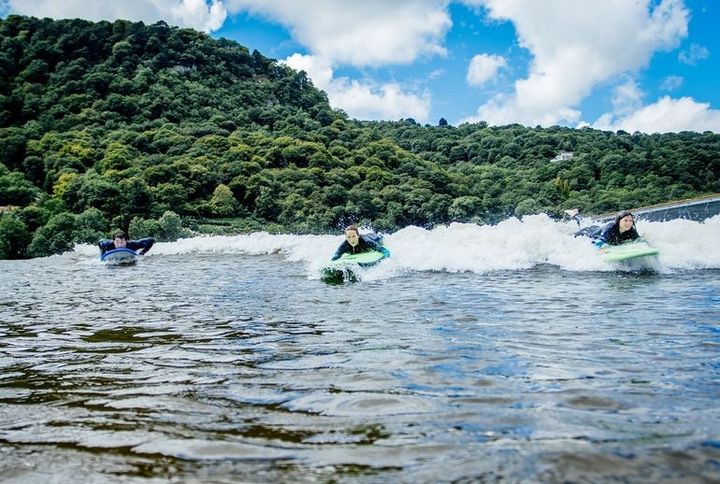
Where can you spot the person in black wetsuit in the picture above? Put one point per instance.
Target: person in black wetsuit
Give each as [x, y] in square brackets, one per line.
[621, 230]
[120, 240]
[357, 244]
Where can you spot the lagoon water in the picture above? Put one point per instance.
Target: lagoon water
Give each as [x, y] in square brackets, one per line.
[475, 353]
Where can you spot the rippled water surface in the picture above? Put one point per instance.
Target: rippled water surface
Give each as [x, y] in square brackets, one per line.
[235, 367]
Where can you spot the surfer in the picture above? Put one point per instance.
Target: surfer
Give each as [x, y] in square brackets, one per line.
[120, 241]
[355, 243]
[574, 214]
[621, 230]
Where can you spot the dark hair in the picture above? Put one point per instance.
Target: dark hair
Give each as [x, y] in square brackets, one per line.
[622, 215]
[119, 234]
[352, 227]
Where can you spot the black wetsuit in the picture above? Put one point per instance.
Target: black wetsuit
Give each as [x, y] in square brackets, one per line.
[366, 243]
[142, 245]
[609, 234]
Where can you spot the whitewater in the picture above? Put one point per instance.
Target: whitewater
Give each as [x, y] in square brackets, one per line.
[459, 247]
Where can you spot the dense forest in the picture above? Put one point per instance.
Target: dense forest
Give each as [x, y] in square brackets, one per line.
[165, 131]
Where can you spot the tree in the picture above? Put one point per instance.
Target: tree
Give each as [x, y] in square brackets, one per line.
[14, 237]
[16, 190]
[166, 229]
[266, 204]
[526, 207]
[135, 196]
[90, 226]
[464, 208]
[55, 237]
[223, 202]
[117, 156]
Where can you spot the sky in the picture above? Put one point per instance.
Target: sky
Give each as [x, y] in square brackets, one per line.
[634, 65]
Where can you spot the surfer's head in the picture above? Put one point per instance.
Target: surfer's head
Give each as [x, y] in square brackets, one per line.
[625, 221]
[119, 239]
[352, 235]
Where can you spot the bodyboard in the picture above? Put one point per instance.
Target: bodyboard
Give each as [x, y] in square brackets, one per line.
[628, 251]
[344, 269]
[122, 256]
[363, 259]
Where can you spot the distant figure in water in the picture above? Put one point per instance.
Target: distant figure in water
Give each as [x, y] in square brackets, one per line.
[621, 230]
[120, 241]
[574, 214]
[357, 244]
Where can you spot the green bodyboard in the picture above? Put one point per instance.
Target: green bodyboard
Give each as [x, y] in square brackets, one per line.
[627, 251]
[343, 269]
[364, 258]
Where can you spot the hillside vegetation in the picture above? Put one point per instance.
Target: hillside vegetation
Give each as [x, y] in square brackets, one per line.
[162, 130]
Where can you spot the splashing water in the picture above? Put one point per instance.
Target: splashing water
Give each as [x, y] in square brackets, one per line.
[509, 245]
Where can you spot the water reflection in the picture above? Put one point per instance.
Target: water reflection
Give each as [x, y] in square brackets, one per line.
[241, 368]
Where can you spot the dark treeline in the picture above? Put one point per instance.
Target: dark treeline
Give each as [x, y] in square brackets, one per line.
[162, 130]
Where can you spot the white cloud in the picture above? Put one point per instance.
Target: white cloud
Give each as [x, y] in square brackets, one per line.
[627, 97]
[197, 14]
[693, 55]
[507, 109]
[670, 83]
[362, 100]
[664, 116]
[437, 73]
[367, 33]
[484, 67]
[576, 45]
[361, 33]
[319, 70]
[386, 101]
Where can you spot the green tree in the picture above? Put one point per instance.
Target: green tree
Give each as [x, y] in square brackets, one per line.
[15, 189]
[55, 237]
[14, 237]
[464, 208]
[90, 226]
[166, 229]
[117, 156]
[223, 202]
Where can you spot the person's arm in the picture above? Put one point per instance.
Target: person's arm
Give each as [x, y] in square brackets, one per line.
[605, 236]
[340, 250]
[105, 245]
[141, 246]
[377, 247]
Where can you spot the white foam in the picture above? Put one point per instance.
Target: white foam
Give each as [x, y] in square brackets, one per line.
[512, 244]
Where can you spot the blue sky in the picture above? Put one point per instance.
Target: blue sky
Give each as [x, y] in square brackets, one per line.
[637, 65]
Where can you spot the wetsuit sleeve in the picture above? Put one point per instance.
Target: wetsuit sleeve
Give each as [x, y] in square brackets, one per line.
[105, 245]
[141, 245]
[605, 237]
[377, 247]
[340, 250]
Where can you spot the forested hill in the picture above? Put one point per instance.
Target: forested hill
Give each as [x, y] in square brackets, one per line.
[160, 130]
